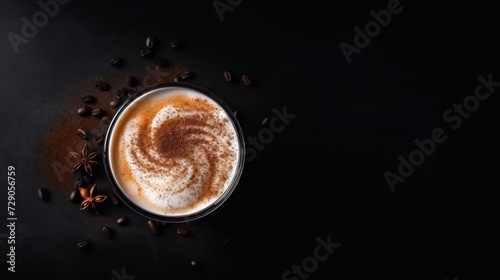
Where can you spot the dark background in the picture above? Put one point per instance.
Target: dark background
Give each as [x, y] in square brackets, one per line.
[323, 175]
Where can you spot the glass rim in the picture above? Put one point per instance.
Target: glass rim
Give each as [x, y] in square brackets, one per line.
[174, 218]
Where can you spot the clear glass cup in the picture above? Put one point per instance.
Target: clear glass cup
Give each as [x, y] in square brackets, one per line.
[133, 202]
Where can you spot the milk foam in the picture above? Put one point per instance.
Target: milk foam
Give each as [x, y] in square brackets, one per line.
[177, 185]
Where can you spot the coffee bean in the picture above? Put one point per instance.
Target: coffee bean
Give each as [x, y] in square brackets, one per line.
[97, 136]
[74, 196]
[146, 52]
[153, 226]
[161, 62]
[80, 132]
[102, 86]
[43, 194]
[184, 76]
[88, 179]
[123, 94]
[89, 99]
[99, 140]
[78, 183]
[150, 42]
[187, 75]
[246, 80]
[115, 103]
[113, 200]
[115, 61]
[132, 81]
[122, 221]
[176, 44]
[98, 113]
[106, 231]
[84, 111]
[183, 232]
[227, 76]
[124, 91]
[105, 121]
[83, 244]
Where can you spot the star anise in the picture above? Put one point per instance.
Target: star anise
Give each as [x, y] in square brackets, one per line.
[84, 159]
[89, 199]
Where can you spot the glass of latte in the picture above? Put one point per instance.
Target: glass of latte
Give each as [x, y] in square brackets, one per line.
[174, 152]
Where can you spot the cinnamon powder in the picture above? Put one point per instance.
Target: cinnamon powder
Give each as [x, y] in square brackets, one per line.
[55, 164]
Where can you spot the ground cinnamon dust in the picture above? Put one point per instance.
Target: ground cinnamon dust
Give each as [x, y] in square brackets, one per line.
[60, 135]
[193, 149]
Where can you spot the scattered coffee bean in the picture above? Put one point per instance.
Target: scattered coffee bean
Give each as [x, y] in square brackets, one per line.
[74, 196]
[84, 111]
[97, 136]
[161, 62]
[113, 200]
[153, 226]
[132, 81]
[176, 44]
[80, 132]
[106, 231]
[115, 61]
[105, 121]
[99, 140]
[123, 94]
[83, 244]
[88, 179]
[186, 75]
[146, 52]
[227, 76]
[78, 183]
[122, 221]
[150, 42]
[183, 232]
[98, 113]
[43, 194]
[89, 99]
[124, 91]
[102, 86]
[115, 103]
[246, 80]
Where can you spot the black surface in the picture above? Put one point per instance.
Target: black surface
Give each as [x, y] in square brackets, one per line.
[323, 175]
